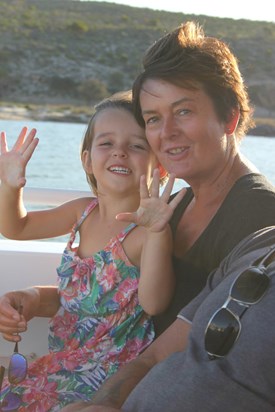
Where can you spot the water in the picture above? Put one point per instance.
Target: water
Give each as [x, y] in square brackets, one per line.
[56, 162]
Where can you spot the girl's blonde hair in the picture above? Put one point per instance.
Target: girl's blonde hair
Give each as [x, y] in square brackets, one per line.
[121, 100]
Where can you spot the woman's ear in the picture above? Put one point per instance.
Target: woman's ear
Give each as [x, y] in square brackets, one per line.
[232, 124]
[87, 162]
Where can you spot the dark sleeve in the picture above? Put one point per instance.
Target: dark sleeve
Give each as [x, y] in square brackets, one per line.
[249, 208]
[255, 244]
[178, 212]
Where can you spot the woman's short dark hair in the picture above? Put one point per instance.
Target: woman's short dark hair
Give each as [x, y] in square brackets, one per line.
[186, 57]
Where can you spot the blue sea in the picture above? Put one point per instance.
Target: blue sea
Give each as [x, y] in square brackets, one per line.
[56, 161]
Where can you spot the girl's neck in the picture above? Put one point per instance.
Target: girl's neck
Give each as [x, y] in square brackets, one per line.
[110, 206]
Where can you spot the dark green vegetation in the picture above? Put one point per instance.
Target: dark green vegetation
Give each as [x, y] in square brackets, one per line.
[76, 52]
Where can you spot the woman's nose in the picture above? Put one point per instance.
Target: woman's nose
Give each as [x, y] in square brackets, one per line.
[168, 128]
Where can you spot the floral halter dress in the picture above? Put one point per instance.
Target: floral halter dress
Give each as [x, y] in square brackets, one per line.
[99, 326]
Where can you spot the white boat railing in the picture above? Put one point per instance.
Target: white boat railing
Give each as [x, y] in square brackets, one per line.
[51, 197]
[28, 263]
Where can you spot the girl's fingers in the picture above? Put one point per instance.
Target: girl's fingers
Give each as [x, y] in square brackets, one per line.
[144, 192]
[25, 144]
[154, 189]
[17, 145]
[176, 200]
[30, 149]
[168, 188]
[127, 217]
[12, 338]
[29, 140]
[4, 146]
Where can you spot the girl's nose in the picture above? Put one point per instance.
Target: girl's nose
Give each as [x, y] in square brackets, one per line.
[119, 153]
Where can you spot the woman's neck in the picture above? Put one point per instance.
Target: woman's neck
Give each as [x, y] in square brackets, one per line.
[215, 187]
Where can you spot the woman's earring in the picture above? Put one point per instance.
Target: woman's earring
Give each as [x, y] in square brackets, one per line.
[230, 129]
[162, 172]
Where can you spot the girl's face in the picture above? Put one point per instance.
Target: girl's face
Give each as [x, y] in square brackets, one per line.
[120, 153]
[184, 131]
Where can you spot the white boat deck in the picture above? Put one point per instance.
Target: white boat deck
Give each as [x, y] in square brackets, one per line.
[29, 263]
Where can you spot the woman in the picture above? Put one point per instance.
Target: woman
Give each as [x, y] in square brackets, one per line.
[193, 102]
[195, 108]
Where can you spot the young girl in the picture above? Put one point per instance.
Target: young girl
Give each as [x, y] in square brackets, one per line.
[116, 277]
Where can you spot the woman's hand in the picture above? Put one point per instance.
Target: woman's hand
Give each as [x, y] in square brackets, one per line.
[154, 211]
[13, 162]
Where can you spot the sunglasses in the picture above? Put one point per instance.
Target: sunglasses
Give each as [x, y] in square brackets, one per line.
[17, 372]
[224, 327]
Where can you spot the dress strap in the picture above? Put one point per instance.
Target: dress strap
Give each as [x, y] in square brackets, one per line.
[122, 235]
[76, 226]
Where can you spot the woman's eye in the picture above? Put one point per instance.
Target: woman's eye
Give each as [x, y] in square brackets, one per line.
[150, 120]
[182, 112]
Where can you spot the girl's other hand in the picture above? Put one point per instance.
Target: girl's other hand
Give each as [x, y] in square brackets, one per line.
[154, 211]
[13, 162]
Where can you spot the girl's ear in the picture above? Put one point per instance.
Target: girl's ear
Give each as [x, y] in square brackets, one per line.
[232, 124]
[87, 162]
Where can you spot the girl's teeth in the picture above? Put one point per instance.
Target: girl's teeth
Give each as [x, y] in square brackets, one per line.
[120, 170]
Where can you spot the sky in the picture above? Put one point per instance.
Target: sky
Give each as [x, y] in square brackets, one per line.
[235, 9]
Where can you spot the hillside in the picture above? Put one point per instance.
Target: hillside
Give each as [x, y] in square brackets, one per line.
[71, 53]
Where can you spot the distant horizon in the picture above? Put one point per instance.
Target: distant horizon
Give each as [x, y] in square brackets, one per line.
[234, 9]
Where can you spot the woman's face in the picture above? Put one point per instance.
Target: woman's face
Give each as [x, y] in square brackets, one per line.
[184, 131]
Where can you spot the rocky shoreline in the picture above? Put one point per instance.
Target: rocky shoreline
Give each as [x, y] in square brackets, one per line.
[44, 113]
[263, 130]
[48, 113]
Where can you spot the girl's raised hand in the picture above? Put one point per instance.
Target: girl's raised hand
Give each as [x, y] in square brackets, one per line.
[13, 162]
[154, 211]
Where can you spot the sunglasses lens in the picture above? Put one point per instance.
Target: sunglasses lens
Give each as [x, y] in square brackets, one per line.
[17, 368]
[11, 402]
[250, 286]
[221, 333]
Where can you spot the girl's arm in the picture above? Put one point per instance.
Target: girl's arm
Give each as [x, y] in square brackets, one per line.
[40, 301]
[157, 279]
[15, 221]
[44, 224]
[156, 285]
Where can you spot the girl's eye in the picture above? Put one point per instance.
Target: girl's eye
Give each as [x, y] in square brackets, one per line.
[138, 146]
[105, 144]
